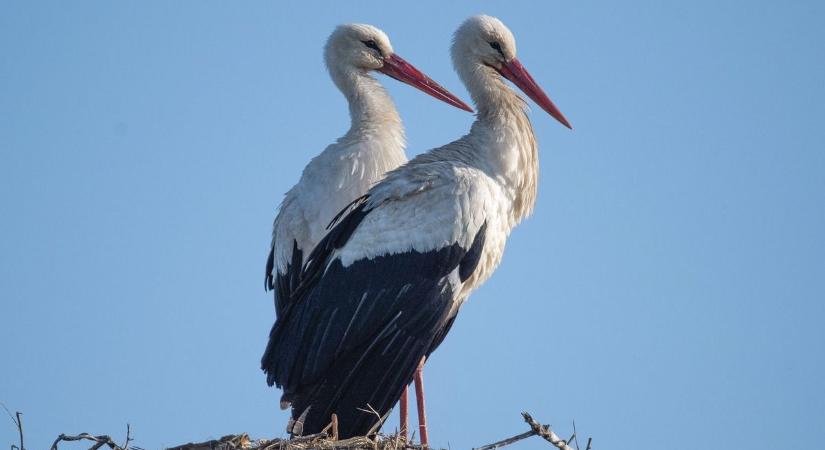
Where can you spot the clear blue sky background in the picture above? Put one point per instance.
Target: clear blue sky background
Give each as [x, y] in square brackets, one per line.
[669, 289]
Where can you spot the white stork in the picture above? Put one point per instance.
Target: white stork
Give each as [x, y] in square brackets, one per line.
[382, 289]
[345, 170]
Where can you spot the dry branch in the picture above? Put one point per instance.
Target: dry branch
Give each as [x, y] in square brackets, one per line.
[536, 429]
[507, 441]
[18, 422]
[545, 432]
[20, 429]
[99, 441]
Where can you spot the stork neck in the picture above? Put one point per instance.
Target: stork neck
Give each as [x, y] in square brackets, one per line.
[371, 109]
[490, 93]
[503, 140]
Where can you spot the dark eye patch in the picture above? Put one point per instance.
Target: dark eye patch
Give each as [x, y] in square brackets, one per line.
[371, 44]
[497, 47]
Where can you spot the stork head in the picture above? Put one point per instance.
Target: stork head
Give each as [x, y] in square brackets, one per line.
[483, 51]
[363, 48]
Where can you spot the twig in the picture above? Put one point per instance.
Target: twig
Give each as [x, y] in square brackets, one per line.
[99, 441]
[575, 436]
[128, 437]
[545, 432]
[507, 441]
[538, 430]
[225, 443]
[309, 437]
[377, 426]
[18, 422]
[20, 429]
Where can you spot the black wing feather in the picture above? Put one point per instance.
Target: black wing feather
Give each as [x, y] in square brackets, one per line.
[470, 261]
[269, 281]
[282, 284]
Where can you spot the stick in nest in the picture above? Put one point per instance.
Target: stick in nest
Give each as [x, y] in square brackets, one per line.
[18, 422]
[538, 430]
[545, 432]
[99, 441]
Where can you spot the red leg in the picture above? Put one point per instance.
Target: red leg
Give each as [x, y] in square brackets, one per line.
[403, 407]
[419, 396]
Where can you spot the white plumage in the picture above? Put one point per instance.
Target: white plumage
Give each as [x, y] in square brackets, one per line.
[373, 145]
[443, 196]
[346, 169]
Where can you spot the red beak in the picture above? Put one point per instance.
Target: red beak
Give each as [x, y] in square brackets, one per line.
[516, 73]
[396, 67]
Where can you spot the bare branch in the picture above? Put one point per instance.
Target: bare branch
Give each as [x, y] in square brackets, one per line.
[225, 443]
[9, 413]
[537, 430]
[309, 438]
[507, 441]
[99, 441]
[18, 422]
[575, 436]
[128, 437]
[20, 429]
[545, 432]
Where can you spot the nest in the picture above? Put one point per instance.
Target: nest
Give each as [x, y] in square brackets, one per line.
[321, 441]
[326, 440]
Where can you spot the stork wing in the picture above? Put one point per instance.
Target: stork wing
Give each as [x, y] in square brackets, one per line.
[283, 283]
[283, 265]
[353, 333]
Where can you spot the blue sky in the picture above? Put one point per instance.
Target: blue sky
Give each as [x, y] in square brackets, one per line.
[669, 289]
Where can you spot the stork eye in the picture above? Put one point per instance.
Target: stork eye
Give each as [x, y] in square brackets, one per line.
[497, 47]
[371, 44]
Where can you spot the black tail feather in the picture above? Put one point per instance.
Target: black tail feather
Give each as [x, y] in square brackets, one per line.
[362, 389]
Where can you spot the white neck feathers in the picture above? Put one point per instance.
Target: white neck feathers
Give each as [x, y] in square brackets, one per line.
[501, 141]
[371, 108]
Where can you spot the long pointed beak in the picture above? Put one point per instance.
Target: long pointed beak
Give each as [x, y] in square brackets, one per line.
[396, 67]
[516, 73]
